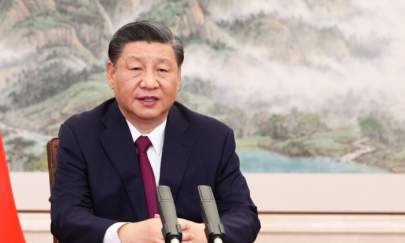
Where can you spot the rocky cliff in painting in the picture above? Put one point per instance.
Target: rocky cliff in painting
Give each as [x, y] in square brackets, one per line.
[304, 78]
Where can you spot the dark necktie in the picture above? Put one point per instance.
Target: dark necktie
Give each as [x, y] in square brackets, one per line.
[143, 143]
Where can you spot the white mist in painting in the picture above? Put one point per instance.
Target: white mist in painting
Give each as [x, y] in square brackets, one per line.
[345, 48]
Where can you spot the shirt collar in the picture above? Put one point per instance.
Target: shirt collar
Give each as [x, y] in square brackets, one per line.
[156, 136]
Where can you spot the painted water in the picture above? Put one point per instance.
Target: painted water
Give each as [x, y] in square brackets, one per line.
[264, 161]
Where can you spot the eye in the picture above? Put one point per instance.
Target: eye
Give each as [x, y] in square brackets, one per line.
[163, 70]
[135, 68]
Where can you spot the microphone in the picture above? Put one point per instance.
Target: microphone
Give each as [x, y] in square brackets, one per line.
[171, 229]
[214, 229]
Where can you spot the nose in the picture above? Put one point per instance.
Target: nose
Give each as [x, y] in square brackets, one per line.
[149, 81]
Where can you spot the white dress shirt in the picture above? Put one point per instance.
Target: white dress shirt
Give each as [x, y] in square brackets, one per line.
[156, 136]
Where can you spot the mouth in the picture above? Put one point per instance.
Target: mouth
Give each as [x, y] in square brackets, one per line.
[148, 100]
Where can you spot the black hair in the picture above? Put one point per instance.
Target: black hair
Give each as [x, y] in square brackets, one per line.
[145, 30]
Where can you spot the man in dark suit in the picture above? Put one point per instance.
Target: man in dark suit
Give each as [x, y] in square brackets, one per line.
[111, 158]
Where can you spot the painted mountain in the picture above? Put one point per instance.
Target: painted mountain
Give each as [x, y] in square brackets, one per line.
[307, 85]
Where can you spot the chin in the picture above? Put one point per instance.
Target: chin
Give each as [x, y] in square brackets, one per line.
[150, 115]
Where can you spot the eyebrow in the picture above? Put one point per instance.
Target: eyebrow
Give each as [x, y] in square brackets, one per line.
[166, 60]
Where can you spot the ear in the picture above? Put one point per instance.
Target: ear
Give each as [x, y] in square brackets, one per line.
[110, 74]
[179, 79]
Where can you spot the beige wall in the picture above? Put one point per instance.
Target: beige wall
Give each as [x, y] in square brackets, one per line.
[273, 192]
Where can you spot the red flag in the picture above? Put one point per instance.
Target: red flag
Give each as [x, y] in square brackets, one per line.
[10, 229]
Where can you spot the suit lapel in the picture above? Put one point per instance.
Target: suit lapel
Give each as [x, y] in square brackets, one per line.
[176, 151]
[119, 147]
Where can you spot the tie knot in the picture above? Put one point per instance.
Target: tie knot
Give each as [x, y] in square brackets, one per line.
[143, 143]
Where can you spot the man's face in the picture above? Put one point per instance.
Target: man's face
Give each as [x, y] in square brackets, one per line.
[145, 80]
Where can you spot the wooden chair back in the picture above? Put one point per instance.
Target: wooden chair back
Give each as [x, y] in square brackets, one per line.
[51, 149]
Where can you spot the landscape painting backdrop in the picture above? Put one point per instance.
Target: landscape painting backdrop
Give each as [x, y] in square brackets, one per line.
[307, 85]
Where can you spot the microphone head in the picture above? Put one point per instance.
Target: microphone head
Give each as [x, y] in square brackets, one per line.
[171, 229]
[213, 226]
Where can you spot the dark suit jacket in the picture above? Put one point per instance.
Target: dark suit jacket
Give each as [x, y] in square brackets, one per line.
[98, 183]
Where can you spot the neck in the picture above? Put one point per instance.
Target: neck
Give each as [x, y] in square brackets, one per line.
[144, 126]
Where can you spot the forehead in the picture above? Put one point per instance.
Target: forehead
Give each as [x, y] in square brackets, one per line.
[142, 50]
